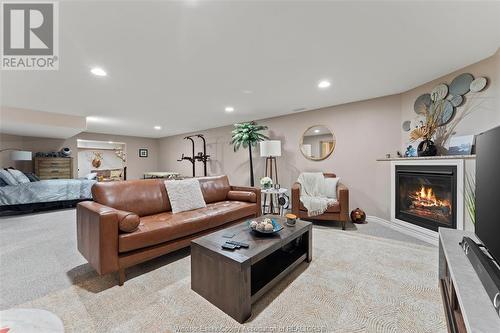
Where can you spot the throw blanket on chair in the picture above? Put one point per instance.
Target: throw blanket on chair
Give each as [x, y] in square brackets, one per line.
[312, 195]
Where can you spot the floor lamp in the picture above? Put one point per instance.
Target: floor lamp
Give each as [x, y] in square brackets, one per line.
[270, 150]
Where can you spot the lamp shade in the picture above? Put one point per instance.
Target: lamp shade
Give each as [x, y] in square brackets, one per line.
[270, 148]
[19, 155]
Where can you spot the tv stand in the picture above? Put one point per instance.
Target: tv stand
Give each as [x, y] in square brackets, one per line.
[467, 306]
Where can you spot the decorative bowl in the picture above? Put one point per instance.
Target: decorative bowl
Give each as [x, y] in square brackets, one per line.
[276, 227]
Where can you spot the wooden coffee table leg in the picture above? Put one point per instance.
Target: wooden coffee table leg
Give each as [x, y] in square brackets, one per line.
[223, 282]
[309, 244]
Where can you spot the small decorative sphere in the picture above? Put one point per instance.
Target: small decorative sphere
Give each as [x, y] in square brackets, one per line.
[358, 216]
[253, 224]
[268, 227]
[261, 227]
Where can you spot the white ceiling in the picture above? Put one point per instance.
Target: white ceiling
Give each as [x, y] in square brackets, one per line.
[178, 64]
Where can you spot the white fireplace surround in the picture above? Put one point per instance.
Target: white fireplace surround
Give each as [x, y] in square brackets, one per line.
[416, 231]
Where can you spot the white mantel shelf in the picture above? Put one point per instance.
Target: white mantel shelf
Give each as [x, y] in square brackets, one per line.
[444, 157]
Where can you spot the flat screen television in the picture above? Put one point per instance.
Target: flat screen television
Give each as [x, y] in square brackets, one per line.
[488, 190]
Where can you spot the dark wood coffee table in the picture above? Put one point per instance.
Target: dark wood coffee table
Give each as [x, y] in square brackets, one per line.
[234, 280]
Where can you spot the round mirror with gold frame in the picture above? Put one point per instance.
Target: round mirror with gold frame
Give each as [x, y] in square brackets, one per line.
[317, 143]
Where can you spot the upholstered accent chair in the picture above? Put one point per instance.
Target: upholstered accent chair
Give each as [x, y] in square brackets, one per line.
[338, 212]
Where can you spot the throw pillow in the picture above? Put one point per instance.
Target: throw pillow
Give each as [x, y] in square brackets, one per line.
[19, 176]
[127, 221]
[32, 177]
[7, 177]
[184, 195]
[330, 187]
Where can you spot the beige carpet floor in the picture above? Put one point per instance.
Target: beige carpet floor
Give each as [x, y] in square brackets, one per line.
[355, 283]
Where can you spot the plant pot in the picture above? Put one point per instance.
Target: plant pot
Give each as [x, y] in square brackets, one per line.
[427, 148]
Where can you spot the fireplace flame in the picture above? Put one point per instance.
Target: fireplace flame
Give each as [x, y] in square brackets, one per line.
[426, 198]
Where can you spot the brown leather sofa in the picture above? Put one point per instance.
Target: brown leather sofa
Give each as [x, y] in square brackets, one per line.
[337, 212]
[142, 208]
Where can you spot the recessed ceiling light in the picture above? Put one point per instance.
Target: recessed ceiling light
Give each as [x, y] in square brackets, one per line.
[324, 84]
[157, 128]
[229, 109]
[110, 142]
[97, 71]
[316, 131]
[246, 91]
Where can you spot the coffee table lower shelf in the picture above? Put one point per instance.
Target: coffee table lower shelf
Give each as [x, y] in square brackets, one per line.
[233, 281]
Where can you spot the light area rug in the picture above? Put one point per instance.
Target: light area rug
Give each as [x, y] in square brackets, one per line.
[355, 283]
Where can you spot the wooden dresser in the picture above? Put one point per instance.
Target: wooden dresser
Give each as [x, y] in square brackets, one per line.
[54, 167]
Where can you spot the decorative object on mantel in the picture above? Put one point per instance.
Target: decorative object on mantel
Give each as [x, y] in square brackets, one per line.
[248, 135]
[406, 125]
[358, 216]
[439, 109]
[461, 145]
[411, 151]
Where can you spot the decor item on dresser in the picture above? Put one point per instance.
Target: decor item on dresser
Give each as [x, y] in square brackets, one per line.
[143, 152]
[317, 143]
[271, 149]
[247, 135]
[65, 152]
[54, 167]
[336, 211]
[461, 145]
[440, 108]
[358, 216]
[160, 231]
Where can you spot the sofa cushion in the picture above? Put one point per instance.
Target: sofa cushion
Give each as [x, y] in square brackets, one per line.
[246, 196]
[214, 188]
[164, 227]
[143, 197]
[335, 208]
[127, 221]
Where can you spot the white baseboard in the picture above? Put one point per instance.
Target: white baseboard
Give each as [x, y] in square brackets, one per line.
[423, 234]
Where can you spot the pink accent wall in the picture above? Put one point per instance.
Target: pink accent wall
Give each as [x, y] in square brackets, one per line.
[364, 132]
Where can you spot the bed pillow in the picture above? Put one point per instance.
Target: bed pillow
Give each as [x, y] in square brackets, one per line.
[3, 183]
[32, 177]
[7, 177]
[185, 195]
[19, 176]
[91, 176]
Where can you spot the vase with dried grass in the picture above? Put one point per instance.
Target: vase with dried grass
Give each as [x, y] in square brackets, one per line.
[428, 127]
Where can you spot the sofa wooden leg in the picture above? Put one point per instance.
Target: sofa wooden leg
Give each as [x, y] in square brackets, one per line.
[121, 276]
[343, 225]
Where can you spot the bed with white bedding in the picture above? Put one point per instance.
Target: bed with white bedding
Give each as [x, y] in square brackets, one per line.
[45, 191]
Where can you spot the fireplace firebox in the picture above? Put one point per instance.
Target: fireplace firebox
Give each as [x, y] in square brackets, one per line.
[426, 195]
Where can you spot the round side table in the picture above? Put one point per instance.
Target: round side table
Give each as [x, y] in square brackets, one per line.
[273, 207]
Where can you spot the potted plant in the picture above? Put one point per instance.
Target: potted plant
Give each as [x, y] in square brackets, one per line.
[266, 183]
[247, 135]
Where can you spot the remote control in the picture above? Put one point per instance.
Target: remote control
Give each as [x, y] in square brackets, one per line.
[228, 246]
[239, 244]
